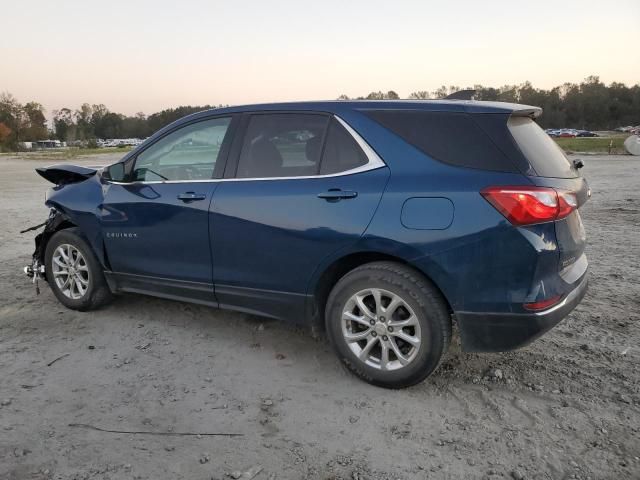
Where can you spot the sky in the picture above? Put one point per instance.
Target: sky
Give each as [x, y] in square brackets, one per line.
[143, 56]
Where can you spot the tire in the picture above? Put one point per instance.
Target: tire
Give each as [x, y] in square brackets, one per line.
[416, 309]
[88, 289]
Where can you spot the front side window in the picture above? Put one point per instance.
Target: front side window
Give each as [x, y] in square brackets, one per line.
[282, 145]
[189, 153]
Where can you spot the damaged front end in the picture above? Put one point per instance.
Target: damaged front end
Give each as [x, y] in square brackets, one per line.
[37, 270]
[63, 177]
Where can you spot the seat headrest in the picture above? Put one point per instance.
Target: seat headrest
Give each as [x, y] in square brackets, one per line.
[264, 159]
[312, 149]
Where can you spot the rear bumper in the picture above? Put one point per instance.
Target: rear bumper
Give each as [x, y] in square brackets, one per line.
[500, 332]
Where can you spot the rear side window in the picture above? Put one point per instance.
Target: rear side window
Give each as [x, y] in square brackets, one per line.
[544, 155]
[341, 152]
[282, 145]
[450, 137]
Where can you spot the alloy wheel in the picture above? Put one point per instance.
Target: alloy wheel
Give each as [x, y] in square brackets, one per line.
[381, 329]
[70, 271]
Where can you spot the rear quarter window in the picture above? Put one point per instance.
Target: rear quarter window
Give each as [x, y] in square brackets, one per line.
[341, 152]
[450, 137]
[544, 155]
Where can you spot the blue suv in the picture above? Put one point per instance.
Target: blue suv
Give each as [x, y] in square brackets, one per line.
[382, 222]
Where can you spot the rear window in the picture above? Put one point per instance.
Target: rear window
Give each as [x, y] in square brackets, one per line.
[544, 155]
[450, 137]
[282, 145]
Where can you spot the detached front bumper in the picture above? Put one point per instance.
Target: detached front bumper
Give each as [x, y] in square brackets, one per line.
[500, 332]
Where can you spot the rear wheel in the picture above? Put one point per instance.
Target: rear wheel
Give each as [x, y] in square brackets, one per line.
[388, 324]
[73, 272]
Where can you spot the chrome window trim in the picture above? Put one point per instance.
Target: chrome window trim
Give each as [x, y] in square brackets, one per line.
[374, 162]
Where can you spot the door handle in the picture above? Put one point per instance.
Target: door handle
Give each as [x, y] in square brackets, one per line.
[191, 196]
[335, 195]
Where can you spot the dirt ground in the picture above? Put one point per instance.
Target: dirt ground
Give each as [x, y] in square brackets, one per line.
[567, 406]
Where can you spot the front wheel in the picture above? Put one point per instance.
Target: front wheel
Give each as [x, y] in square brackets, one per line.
[73, 272]
[388, 324]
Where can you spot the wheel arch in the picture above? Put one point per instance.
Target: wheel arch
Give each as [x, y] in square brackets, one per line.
[58, 221]
[327, 277]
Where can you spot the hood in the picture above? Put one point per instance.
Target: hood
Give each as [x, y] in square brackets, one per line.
[64, 174]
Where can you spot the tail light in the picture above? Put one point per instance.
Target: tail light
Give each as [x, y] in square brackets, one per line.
[529, 205]
[543, 304]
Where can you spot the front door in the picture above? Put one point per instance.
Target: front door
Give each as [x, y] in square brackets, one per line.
[304, 189]
[155, 227]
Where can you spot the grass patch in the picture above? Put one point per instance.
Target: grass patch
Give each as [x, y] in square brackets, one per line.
[593, 144]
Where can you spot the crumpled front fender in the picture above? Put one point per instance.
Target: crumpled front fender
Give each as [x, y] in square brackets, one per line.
[76, 205]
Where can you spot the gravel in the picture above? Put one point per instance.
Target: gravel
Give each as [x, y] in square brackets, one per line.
[571, 397]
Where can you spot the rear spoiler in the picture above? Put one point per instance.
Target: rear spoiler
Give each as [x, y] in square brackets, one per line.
[517, 109]
[533, 112]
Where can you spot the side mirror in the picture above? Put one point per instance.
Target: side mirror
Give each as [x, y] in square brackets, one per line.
[115, 172]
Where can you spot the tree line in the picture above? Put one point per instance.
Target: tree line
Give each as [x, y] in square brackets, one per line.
[20, 122]
[27, 123]
[588, 105]
[96, 121]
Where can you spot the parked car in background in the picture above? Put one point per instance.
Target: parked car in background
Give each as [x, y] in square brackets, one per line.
[586, 133]
[119, 142]
[568, 133]
[370, 218]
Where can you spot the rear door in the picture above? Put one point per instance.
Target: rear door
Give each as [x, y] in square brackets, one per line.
[304, 187]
